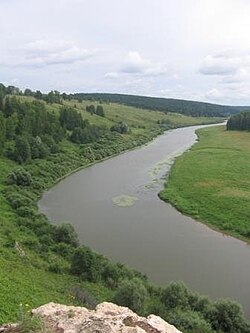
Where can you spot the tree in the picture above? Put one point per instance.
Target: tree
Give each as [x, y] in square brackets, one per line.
[90, 109]
[19, 177]
[121, 128]
[8, 110]
[175, 295]
[111, 274]
[38, 94]
[28, 92]
[65, 233]
[227, 316]
[11, 125]
[100, 111]
[189, 321]
[2, 131]
[22, 151]
[85, 264]
[1, 101]
[131, 293]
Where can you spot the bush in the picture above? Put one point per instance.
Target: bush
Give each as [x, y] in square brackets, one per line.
[188, 321]
[19, 177]
[17, 200]
[65, 250]
[199, 303]
[86, 264]
[175, 295]
[83, 297]
[26, 211]
[111, 274]
[227, 316]
[132, 294]
[65, 233]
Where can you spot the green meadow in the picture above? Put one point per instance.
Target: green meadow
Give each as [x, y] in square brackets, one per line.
[211, 181]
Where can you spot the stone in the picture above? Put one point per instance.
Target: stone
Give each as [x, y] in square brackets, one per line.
[106, 318]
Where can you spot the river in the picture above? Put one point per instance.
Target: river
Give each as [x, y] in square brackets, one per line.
[115, 209]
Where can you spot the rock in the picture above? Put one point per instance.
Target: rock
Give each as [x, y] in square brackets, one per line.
[8, 327]
[106, 318]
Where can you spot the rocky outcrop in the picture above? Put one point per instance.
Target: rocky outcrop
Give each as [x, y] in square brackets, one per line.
[106, 318]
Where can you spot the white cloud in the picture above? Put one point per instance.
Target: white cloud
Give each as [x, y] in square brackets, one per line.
[134, 63]
[220, 65]
[111, 75]
[41, 53]
[214, 94]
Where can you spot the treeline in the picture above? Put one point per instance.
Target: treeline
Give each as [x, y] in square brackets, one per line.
[239, 122]
[190, 108]
[53, 96]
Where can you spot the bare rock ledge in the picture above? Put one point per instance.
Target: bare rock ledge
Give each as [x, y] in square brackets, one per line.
[106, 318]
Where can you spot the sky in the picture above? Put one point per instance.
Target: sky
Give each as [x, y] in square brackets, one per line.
[188, 49]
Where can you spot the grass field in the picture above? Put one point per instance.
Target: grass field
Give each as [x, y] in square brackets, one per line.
[211, 182]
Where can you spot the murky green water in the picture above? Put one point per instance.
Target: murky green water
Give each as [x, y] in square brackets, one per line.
[115, 209]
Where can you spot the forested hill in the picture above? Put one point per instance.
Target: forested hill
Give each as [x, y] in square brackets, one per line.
[191, 108]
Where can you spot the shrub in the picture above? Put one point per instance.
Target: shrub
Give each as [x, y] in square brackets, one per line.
[132, 294]
[188, 321]
[175, 295]
[227, 316]
[83, 297]
[110, 274]
[19, 177]
[65, 250]
[65, 233]
[17, 200]
[86, 264]
[26, 211]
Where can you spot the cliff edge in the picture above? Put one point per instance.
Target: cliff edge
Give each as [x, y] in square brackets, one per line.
[106, 318]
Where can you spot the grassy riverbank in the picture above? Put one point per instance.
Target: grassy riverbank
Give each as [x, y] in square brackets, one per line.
[211, 181]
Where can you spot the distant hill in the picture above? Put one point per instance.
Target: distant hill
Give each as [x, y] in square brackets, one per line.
[191, 108]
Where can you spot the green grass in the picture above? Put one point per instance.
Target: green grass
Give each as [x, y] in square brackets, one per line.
[211, 181]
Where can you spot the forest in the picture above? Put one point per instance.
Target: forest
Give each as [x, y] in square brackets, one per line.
[191, 108]
[239, 122]
[42, 139]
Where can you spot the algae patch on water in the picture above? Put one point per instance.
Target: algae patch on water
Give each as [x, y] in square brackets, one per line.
[124, 200]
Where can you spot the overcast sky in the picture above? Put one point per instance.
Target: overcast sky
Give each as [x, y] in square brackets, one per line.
[190, 49]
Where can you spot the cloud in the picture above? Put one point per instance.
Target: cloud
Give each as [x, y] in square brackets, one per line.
[214, 94]
[232, 67]
[41, 53]
[134, 63]
[111, 75]
[220, 65]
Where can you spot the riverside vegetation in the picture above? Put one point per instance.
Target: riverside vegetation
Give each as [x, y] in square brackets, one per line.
[211, 181]
[43, 138]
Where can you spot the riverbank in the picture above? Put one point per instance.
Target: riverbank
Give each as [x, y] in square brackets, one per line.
[210, 182]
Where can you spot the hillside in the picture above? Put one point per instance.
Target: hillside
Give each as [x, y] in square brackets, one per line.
[42, 140]
[191, 108]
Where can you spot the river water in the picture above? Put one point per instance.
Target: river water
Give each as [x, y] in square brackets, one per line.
[115, 209]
